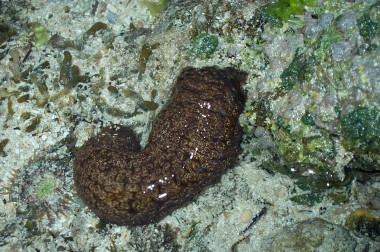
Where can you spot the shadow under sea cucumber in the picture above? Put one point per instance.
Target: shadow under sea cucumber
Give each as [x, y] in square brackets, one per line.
[194, 139]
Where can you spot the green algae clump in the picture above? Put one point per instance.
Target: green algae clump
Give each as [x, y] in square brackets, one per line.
[367, 27]
[308, 119]
[155, 8]
[204, 45]
[297, 72]
[309, 199]
[361, 130]
[285, 9]
[40, 34]
[323, 44]
[307, 159]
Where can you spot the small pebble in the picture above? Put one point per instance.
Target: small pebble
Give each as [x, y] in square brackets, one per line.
[347, 22]
[340, 50]
[313, 29]
[326, 20]
[111, 17]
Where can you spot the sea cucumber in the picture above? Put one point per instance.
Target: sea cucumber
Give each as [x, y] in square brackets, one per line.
[193, 140]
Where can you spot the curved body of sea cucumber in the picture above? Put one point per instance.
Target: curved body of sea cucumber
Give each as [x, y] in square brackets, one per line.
[194, 139]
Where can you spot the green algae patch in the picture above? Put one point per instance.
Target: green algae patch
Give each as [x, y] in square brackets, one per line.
[308, 119]
[324, 42]
[309, 199]
[303, 151]
[307, 159]
[339, 197]
[367, 27]
[204, 45]
[155, 8]
[361, 130]
[40, 34]
[297, 72]
[286, 9]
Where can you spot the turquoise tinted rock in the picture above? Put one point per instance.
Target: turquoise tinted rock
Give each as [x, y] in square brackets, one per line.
[204, 45]
[361, 130]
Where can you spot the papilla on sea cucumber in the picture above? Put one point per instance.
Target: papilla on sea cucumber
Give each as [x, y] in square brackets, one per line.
[194, 139]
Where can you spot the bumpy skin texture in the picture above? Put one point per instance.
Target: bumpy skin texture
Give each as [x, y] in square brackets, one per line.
[194, 139]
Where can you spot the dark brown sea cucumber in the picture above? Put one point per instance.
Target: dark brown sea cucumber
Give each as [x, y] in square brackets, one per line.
[194, 139]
